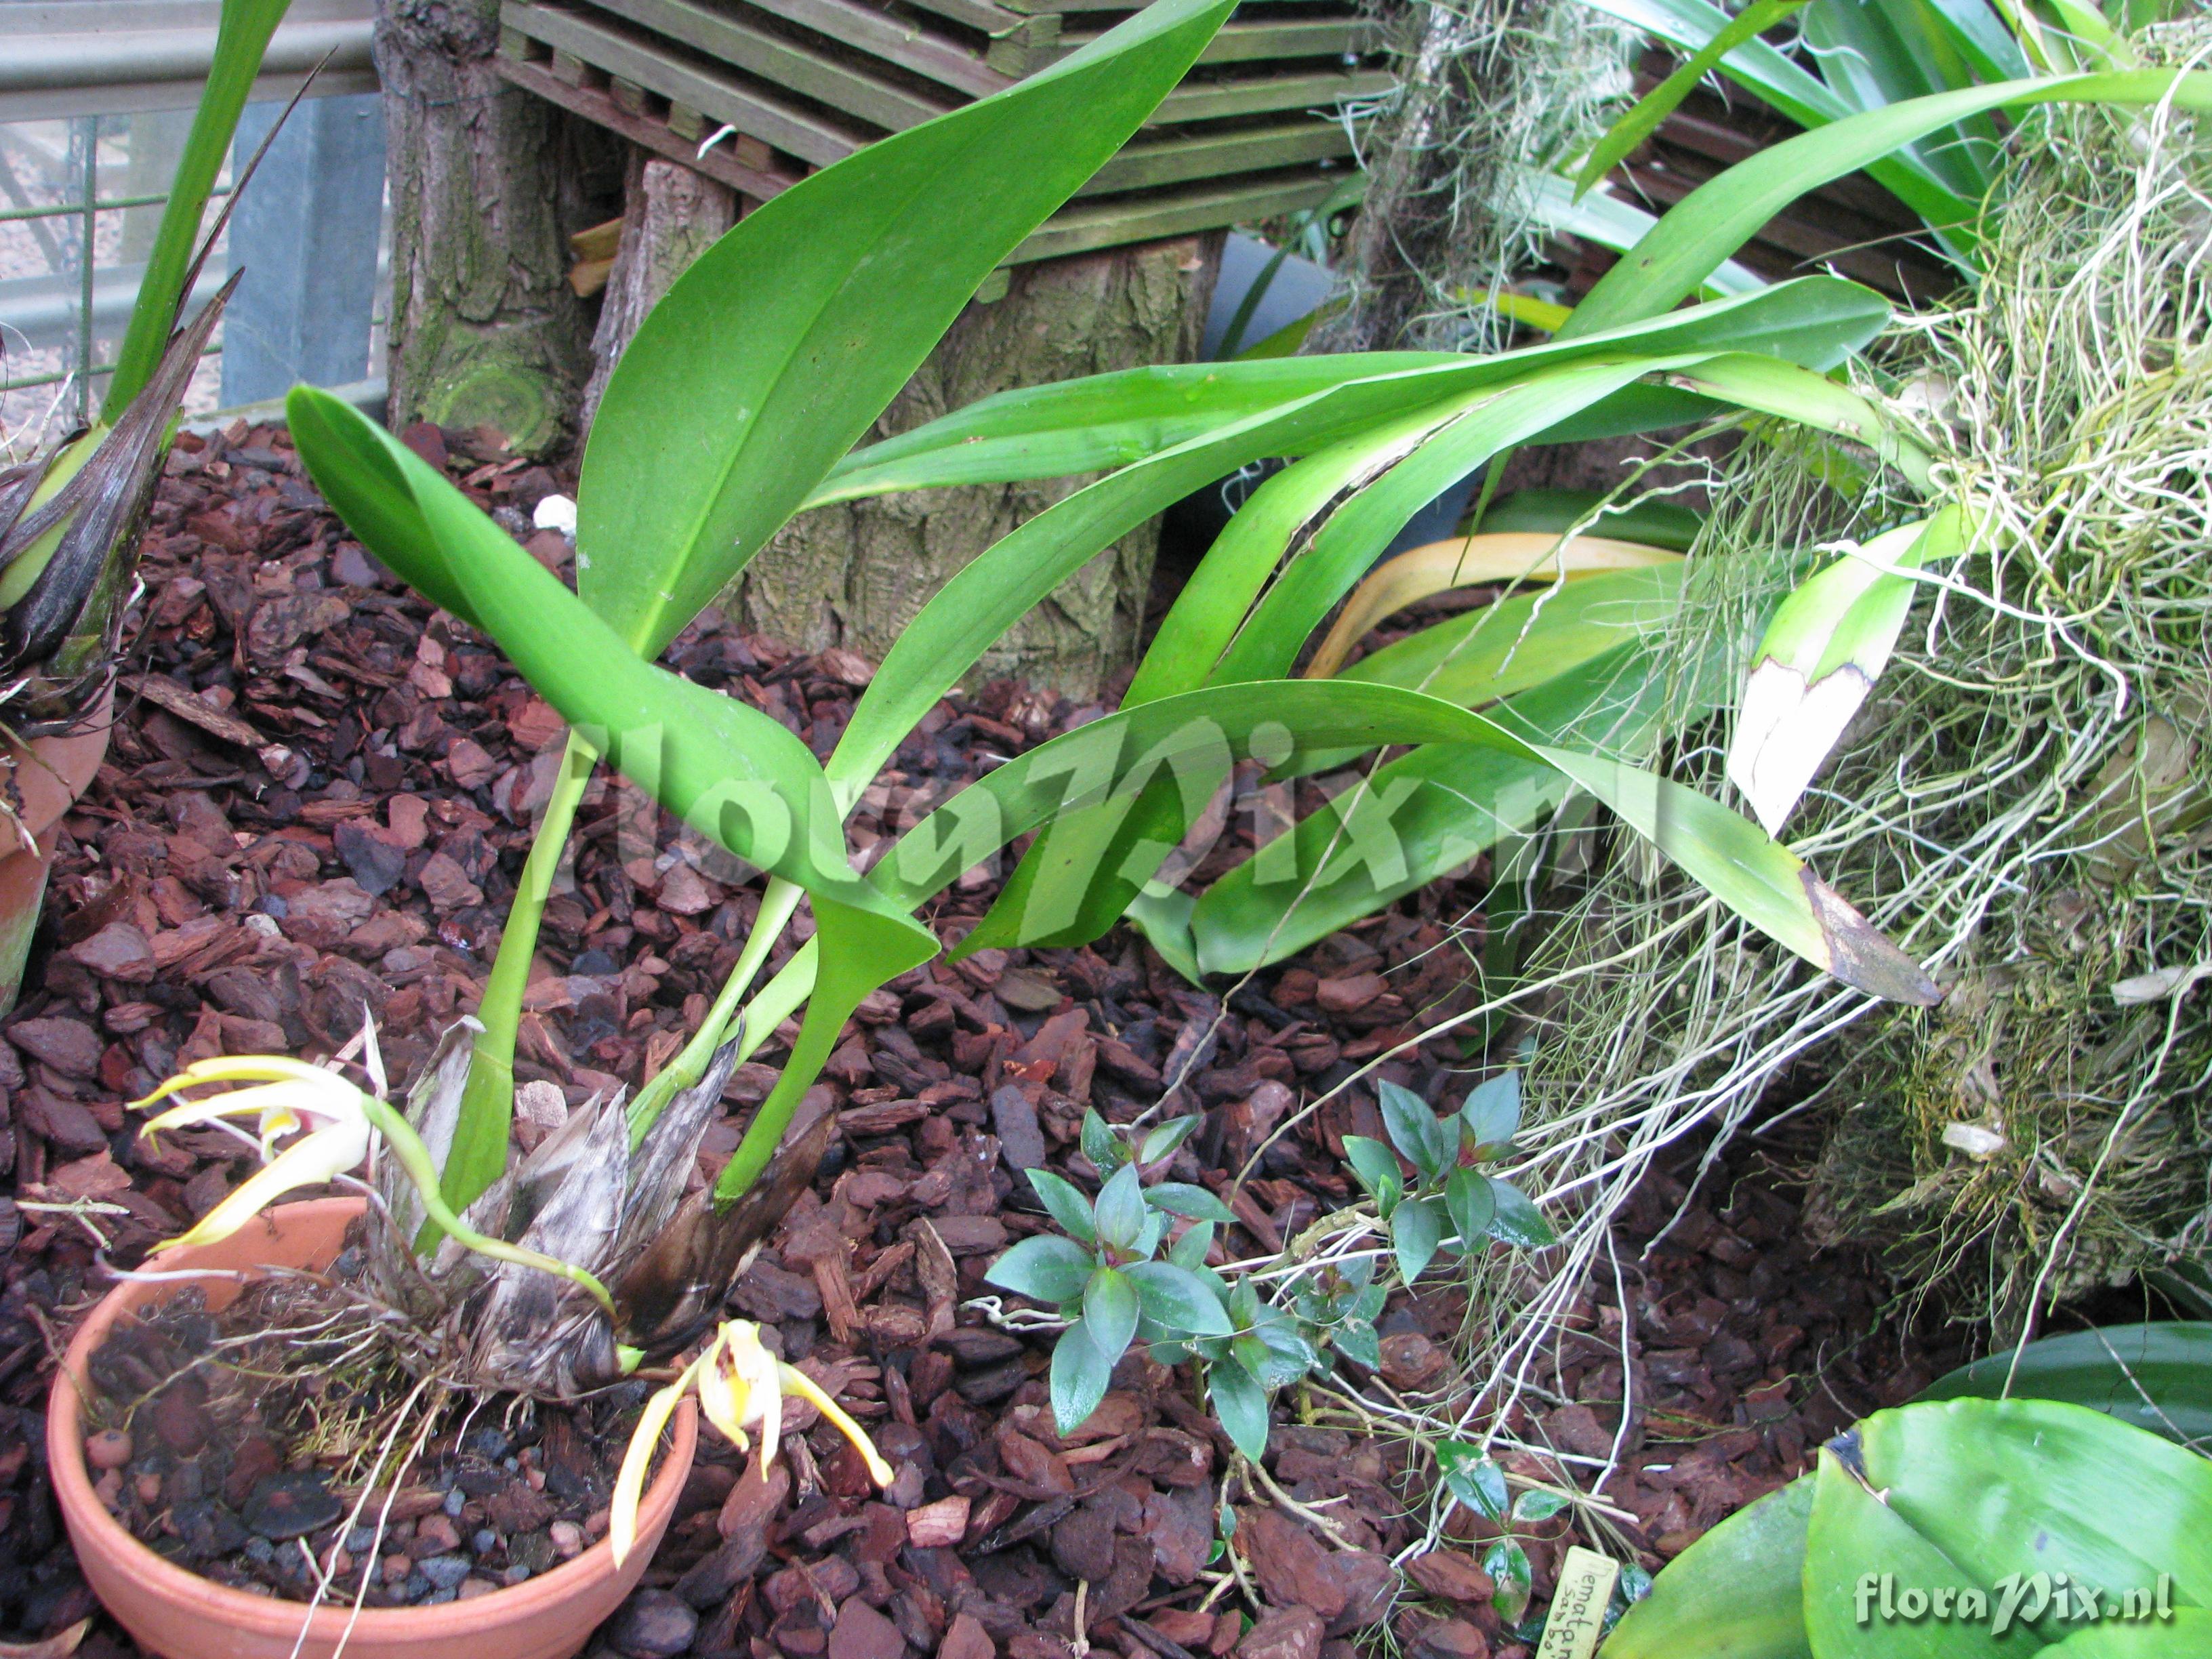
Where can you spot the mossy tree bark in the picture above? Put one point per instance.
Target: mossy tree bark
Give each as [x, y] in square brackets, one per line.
[854, 576]
[486, 182]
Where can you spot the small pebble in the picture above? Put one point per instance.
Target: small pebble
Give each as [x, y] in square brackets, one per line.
[485, 1541]
[396, 1568]
[568, 1538]
[415, 1587]
[149, 1490]
[488, 1443]
[595, 1525]
[360, 1541]
[436, 1535]
[472, 1588]
[456, 1501]
[516, 1573]
[446, 1572]
[109, 1489]
[108, 1449]
[258, 1548]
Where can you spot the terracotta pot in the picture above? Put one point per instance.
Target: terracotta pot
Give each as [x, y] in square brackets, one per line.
[183, 1616]
[48, 780]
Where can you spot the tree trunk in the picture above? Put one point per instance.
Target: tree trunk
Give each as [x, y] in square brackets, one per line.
[1485, 92]
[670, 215]
[486, 181]
[854, 575]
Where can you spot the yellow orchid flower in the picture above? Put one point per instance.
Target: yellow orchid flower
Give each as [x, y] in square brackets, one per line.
[291, 1094]
[341, 1122]
[741, 1388]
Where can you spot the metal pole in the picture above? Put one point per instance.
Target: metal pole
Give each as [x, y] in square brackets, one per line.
[89, 127]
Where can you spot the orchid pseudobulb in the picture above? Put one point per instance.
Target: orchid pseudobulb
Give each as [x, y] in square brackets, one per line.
[343, 1123]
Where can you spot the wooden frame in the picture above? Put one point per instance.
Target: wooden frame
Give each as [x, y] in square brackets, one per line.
[782, 87]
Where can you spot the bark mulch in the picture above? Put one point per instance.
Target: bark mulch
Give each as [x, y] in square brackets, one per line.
[316, 803]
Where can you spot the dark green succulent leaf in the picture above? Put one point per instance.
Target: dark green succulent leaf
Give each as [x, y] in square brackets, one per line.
[1376, 1166]
[1415, 1130]
[1100, 1144]
[1195, 1203]
[1357, 1341]
[1110, 1311]
[1179, 1299]
[1417, 1230]
[1517, 1220]
[1190, 1251]
[1472, 1475]
[1046, 1268]
[1493, 1112]
[1537, 1505]
[1473, 1208]
[1066, 1202]
[1081, 1375]
[1121, 1210]
[1241, 1404]
[1163, 1140]
[1507, 1564]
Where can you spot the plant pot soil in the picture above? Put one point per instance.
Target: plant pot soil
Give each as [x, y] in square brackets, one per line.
[179, 1613]
[42, 785]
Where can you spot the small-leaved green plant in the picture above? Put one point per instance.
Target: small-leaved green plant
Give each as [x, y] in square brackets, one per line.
[1451, 1201]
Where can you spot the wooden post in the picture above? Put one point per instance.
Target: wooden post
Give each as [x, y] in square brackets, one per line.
[670, 215]
[486, 181]
[855, 574]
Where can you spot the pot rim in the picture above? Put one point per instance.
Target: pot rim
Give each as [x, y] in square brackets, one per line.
[81, 1507]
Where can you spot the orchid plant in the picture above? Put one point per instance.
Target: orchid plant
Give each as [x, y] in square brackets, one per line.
[735, 406]
[741, 1386]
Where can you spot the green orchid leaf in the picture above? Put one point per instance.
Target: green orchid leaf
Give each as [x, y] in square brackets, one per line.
[1827, 646]
[1716, 219]
[1661, 101]
[736, 775]
[779, 345]
[1736, 1593]
[2156, 1377]
[243, 30]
